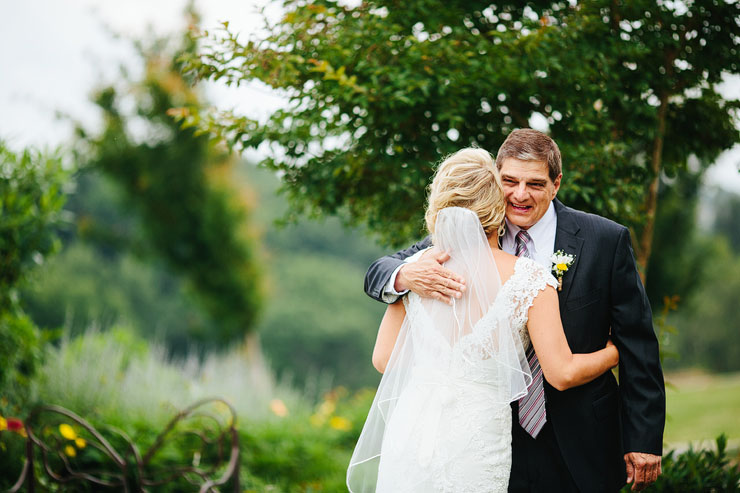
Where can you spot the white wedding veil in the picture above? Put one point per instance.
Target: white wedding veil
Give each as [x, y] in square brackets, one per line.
[466, 344]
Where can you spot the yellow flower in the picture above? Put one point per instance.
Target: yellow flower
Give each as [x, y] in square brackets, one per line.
[562, 267]
[3, 424]
[340, 423]
[278, 408]
[67, 432]
[80, 442]
[70, 451]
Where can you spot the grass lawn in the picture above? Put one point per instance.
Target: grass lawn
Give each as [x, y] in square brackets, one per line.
[701, 406]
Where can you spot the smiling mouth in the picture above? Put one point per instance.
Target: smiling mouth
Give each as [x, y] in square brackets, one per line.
[520, 208]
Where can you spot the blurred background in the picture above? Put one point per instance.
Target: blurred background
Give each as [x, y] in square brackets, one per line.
[192, 192]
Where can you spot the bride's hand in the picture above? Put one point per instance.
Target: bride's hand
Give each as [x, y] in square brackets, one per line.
[429, 279]
[610, 345]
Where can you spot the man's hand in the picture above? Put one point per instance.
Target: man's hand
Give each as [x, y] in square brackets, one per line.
[642, 469]
[427, 278]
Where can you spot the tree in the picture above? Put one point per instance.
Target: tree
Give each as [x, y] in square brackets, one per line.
[727, 220]
[31, 198]
[317, 321]
[707, 320]
[679, 269]
[181, 186]
[379, 92]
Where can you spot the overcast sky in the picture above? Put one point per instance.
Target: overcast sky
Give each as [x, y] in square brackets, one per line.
[54, 52]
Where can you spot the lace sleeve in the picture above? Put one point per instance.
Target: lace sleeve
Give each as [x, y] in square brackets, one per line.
[529, 279]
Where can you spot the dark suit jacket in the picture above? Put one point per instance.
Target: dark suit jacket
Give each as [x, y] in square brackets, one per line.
[595, 423]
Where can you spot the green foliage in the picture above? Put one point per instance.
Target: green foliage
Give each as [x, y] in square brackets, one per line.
[288, 443]
[699, 470]
[321, 321]
[727, 221]
[707, 321]
[118, 376]
[180, 186]
[21, 349]
[678, 267]
[381, 91]
[293, 456]
[31, 198]
[83, 287]
[664, 330]
[317, 323]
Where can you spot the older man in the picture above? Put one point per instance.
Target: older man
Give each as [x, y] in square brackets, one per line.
[602, 434]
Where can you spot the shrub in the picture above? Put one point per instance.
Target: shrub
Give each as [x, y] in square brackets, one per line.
[698, 470]
[31, 198]
[288, 443]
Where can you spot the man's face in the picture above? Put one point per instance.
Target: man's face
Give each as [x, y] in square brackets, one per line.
[528, 190]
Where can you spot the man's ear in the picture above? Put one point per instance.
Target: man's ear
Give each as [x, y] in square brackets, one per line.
[557, 184]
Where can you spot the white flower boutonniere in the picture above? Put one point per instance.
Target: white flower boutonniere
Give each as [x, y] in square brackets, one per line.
[561, 262]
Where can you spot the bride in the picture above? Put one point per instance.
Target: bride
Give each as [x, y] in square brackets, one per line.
[441, 418]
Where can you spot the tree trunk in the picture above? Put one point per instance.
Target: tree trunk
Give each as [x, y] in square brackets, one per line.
[651, 201]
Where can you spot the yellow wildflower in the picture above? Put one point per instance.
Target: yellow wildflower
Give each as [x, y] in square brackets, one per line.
[70, 451]
[67, 431]
[80, 442]
[3, 424]
[340, 423]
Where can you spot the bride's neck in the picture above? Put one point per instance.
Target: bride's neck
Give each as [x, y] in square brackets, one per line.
[493, 242]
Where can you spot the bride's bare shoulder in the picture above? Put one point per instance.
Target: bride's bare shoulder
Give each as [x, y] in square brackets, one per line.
[505, 263]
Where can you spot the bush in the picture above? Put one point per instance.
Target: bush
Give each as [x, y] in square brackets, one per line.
[20, 353]
[287, 442]
[698, 470]
[31, 198]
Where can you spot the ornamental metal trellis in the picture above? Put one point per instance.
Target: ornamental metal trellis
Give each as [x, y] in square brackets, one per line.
[206, 429]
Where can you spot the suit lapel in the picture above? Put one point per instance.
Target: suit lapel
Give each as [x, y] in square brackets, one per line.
[567, 241]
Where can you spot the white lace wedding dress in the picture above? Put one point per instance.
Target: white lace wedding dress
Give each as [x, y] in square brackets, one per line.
[441, 420]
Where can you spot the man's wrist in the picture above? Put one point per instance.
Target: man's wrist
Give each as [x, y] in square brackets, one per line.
[399, 284]
[390, 288]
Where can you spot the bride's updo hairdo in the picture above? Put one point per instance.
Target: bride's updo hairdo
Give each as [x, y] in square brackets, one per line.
[469, 179]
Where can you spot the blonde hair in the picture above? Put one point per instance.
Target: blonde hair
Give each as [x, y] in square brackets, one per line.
[469, 179]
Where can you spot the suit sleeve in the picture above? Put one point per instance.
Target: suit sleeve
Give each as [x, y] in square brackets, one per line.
[641, 384]
[380, 271]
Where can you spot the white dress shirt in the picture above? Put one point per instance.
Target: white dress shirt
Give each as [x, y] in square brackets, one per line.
[542, 233]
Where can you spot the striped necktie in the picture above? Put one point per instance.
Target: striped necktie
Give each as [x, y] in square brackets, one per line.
[531, 406]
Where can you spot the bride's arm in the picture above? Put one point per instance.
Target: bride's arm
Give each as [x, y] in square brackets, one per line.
[562, 368]
[387, 334]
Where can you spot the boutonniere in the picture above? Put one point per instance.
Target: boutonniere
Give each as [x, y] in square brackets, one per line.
[561, 262]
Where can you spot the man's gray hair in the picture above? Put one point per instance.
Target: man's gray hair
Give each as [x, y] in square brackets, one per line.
[527, 144]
